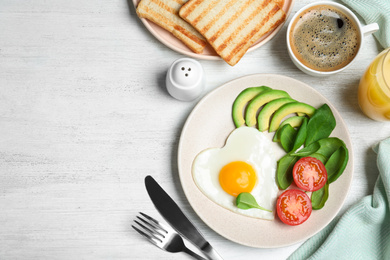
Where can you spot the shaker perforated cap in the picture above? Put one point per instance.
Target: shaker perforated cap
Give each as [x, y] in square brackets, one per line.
[185, 79]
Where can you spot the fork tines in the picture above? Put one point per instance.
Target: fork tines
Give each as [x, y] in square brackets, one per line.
[150, 228]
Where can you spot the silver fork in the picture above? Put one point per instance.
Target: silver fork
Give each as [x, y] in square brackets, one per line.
[161, 235]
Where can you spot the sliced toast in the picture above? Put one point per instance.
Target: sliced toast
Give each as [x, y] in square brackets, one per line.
[165, 13]
[232, 26]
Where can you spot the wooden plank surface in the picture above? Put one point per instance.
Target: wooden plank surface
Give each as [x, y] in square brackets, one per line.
[85, 116]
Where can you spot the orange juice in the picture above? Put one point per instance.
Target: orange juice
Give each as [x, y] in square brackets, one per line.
[374, 88]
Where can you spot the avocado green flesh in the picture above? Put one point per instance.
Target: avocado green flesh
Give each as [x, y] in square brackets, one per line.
[265, 114]
[260, 100]
[289, 108]
[294, 121]
[242, 100]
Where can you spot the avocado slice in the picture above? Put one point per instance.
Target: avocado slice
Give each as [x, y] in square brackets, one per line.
[265, 114]
[294, 121]
[242, 100]
[260, 100]
[289, 108]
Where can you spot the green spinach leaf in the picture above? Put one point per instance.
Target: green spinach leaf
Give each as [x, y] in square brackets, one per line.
[284, 175]
[287, 137]
[320, 157]
[276, 137]
[325, 147]
[306, 151]
[336, 164]
[301, 135]
[245, 200]
[319, 197]
[329, 145]
[320, 125]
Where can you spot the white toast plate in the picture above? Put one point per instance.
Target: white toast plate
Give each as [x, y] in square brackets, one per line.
[175, 44]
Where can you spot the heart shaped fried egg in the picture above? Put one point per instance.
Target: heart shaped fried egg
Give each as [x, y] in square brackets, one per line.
[246, 163]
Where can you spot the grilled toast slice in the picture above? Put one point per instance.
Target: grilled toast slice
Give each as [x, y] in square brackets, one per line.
[165, 13]
[232, 26]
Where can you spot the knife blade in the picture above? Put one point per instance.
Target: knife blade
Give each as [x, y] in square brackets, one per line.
[177, 219]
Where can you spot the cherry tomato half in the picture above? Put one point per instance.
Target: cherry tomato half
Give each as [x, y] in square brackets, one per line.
[309, 174]
[293, 207]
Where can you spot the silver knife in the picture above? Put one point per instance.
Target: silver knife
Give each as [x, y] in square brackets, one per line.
[176, 218]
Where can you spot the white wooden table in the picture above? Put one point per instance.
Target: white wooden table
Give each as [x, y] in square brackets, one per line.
[85, 116]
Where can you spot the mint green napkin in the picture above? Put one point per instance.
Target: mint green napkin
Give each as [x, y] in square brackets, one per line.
[363, 232]
[374, 11]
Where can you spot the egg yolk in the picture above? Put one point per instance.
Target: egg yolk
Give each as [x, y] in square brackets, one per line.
[237, 177]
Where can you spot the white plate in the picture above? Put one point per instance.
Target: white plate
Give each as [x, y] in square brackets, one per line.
[210, 123]
[208, 54]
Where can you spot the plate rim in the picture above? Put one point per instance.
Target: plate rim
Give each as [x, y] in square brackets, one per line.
[202, 56]
[226, 84]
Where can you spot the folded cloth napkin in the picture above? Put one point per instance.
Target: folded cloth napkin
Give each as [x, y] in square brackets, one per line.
[363, 232]
[374, 11]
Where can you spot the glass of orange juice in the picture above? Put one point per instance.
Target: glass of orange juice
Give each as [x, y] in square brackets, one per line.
[374, 88]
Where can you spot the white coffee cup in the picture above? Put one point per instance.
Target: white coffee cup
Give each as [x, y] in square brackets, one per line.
[362, 31]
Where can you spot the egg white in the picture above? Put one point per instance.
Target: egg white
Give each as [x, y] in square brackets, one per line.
[245, 144]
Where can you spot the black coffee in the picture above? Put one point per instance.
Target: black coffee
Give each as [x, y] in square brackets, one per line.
[323, 38]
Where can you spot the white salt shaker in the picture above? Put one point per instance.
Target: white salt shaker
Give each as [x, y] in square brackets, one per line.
[185, 79]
